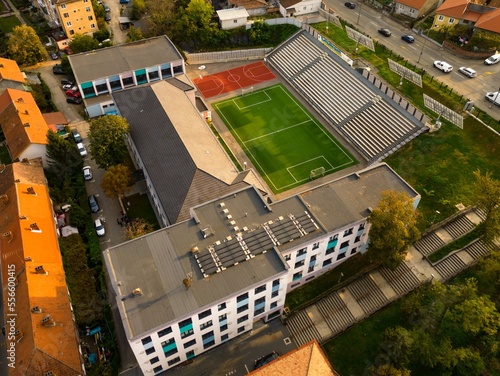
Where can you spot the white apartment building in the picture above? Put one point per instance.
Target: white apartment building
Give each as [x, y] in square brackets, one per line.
[193, 285]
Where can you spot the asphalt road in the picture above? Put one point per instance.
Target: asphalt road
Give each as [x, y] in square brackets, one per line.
[369, 20]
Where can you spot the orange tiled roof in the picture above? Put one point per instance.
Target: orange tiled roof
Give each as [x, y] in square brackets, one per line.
[55, 118]
[307, 360]
[17, 110]
[9, 70]
[41, 348]
[415, 4]
[490, 21]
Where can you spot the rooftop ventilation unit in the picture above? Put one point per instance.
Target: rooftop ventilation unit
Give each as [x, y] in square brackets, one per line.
[225, 211]
[232, 223]
[48, 321]
[36, 309]
[9, 235]
[22, 217]
[34, 227]
[31, 190]
[207, 232]
[222, 204]
[26, 112]
[194, 250]
[20, 100]
[26, 125]
[236, 228]
[28, 259]
[229, 216]
[137, 292]
[40, 270]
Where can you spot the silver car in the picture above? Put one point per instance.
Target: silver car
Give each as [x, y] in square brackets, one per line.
[469, 72]
[99, 227]
[87, 173]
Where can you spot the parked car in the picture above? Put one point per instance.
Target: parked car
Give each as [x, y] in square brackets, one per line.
[76, 136]
[106, 9]
[87, 173]
[443, 66]
[54, 55]
[350, 5]
[408, 38]
[94, 206]
[266, 359]
[492, 59]
[73, 93]
[469, 72]
[99, 227]
[493, 97]
[66, 82]
[68, 51]
[385, 32]
[74, 100]
[81, 149]
[58, 69]
[70, 87]
[107, 17]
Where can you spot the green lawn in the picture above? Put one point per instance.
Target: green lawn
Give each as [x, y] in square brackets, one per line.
[8, 23]
[138, 206]
[281, 138]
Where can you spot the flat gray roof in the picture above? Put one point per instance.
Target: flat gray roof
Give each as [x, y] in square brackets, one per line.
[351, 196]
[159, 262]
[109, 61]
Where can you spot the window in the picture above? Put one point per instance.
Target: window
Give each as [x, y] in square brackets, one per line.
[223, 328]
[223, 317]
[341, 256]
[334, 237]
[63, 6]
[297, 276]
[258, 290]
[224, 337]
[288, 257]
[361, 227]
[242, 319]
[274, 305]
[260, 301]
[344, 244]
[327, 262]
[68, 23]
[243, 308]
[274, 294]
[173, 361]
[204, 314]
[71, 32]
[451, 20]
[310, 269]
[299, 264]
[189, 343]
[235, 21]
[357, 239]
[146, 340]
[190, 354]
[276, 282]
[127, 81]
[158, 369]
[313, 258]
[348, 232]
[187, 333]
[330, 250]
[66, 15]
[154, 75]
[154, 360]
[301, 252]
[258, 311]
[208, 339]
[354, 250]
[92, 26]
[242, 297]
[87, 9]
[186, 328]
[309, 278]
[241, 329]
[440, 18]
[171, 352]
[208, 324]
[91, 18]
[315, 245]
[295, 285]
[150, 350]
[164, 332]
[221, 306]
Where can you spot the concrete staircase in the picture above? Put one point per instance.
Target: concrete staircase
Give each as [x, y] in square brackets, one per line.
[402, 279]
[429, 243]
[368, 295]
[335, 312]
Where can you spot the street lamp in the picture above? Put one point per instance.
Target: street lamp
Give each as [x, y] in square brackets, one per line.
[435, 214]
[423, 45]
[495, 99]
[359, 13]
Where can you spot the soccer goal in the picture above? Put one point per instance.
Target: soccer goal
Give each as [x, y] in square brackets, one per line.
[317, 172]
[247, 91]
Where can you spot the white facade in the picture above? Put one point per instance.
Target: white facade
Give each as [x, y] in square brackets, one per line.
[232, 18]
[184, 339]
[300, 8]
[306, 262]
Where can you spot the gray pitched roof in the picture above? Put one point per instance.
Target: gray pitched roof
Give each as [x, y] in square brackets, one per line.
[105, 62]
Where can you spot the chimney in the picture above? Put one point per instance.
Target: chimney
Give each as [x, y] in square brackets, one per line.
[34, 227]
[137, 292]
[31, 191]
[36, 309]
[194, 250]
[26, 125]
[9, 235]
[40, 270]
[20, 100]
[48, 321]
[187, 283]
[26, 112]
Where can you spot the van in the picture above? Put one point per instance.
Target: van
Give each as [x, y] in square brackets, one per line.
[493, 97]
[492, 59]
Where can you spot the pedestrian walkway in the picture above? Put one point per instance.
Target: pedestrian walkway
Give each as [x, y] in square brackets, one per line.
[364, 296]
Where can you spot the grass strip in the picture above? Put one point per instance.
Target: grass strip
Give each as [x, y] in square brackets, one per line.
[456, 244]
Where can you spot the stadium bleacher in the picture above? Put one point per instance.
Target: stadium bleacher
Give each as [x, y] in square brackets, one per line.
[372, 122]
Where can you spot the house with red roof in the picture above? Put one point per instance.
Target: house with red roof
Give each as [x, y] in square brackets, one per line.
[465, 12]
[414, 8]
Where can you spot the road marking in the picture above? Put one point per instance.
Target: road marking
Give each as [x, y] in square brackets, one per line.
[248, 371]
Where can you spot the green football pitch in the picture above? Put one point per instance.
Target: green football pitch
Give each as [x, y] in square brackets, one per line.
[281, 138]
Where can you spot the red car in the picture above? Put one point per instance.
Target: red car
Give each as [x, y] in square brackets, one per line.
[73, 93]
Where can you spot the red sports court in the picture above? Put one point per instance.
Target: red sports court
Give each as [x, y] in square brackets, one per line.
[233, 79]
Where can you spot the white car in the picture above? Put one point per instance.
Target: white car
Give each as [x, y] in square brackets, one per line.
[87, 173]
[469, 72]
[443, 65]
[81, 149]
[99, 227]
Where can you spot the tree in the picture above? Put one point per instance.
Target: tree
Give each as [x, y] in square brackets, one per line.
[397, 343]
[117, 181]
[134, 34]
[388, 370]
[137, 227]
[107, 140]
[193, 22]
[78, 216]
[259, 33]
[160, 15]
[25, 47]
[83, 43]
[138, 9]
[393, 228]
[487, 197]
